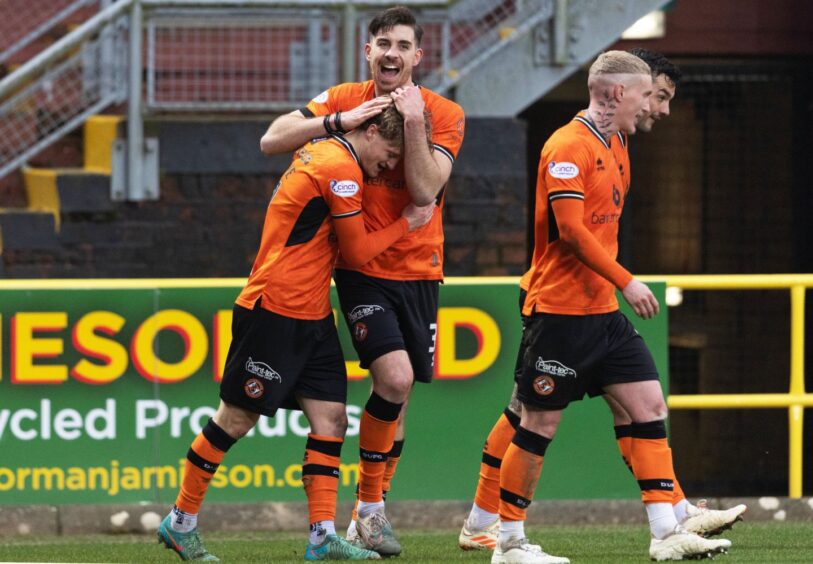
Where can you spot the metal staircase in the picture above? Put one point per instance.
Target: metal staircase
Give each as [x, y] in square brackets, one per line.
[494, 56]
[549, 43]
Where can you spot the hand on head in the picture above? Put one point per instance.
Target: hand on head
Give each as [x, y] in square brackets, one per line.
[361, 113]
[408, 101]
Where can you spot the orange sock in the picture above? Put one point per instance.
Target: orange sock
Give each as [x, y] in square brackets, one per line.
[521, 467]
[202, 460]
[376, 437]
[393, 457]
[320, 476]
[487, 496]
[389, 471]
[652, 462]
[355, 514]
[623, 436]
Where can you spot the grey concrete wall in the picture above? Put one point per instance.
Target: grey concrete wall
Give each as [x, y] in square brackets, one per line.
[144, 518]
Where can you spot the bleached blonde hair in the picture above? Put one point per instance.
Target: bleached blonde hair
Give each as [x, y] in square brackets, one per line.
[618, 62]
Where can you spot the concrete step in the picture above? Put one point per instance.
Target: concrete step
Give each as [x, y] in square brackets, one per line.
[25, 230]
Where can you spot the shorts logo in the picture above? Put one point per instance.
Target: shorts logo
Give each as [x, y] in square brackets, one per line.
[362, 311]
[254, 388]
[563, 170]
[359, 331]
[544, 385]
[554, 368]
[344, 188]
[262, 370]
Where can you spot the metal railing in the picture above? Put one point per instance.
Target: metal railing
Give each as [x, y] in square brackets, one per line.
[224, 55]
[796, 399]
[276, 56]
[58, 89]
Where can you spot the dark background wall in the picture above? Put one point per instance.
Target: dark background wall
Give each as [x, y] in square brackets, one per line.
[215, 186]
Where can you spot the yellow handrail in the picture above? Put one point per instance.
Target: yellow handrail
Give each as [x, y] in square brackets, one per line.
[796, 399]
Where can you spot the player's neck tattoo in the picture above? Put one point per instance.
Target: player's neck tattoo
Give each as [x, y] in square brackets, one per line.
[602, 111]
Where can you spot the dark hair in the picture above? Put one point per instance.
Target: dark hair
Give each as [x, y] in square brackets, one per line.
[658, 63]
[391, 17]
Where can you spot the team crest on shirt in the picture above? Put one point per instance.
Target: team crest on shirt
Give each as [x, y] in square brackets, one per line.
[554, 368]
[616, 196]
[362, 311]
[304, 155]
[563, 170]
[544, 385]
[262, 370]
[253, 388]
[344, 188]
[359, 331]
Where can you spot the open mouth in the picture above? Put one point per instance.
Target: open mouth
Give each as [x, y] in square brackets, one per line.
[389, 70]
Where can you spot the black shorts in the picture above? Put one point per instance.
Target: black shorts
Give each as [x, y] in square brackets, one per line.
[568, 356]
[391, 315]
[272, 358]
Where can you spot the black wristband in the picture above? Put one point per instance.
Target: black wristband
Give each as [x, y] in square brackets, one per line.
[338, 123]
[328, 128]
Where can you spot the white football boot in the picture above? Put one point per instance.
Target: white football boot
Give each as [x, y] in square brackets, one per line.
[709, 522]
[521, 551]
[479, 539]
[683, 545]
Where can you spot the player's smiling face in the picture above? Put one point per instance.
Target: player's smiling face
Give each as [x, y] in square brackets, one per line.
[663, 90]
[392, 54]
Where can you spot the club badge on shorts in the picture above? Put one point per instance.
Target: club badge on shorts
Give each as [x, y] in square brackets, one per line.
[544, 385]
[253, 388]
[359, 331]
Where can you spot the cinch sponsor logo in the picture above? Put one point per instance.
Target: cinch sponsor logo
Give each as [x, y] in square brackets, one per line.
[563, 170]
[344, 188]
[554, 368]
[262, 370]
[362, 311]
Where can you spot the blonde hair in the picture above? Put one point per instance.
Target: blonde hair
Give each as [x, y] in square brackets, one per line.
[618, 62]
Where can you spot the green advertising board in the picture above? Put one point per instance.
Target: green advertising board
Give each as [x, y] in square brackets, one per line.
[104, 384]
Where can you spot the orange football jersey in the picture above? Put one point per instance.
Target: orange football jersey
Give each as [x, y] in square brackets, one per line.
[419, 255]
[299, 247]
[576, 162]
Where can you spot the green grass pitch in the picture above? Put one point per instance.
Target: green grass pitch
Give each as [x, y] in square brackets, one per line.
[752, 542]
